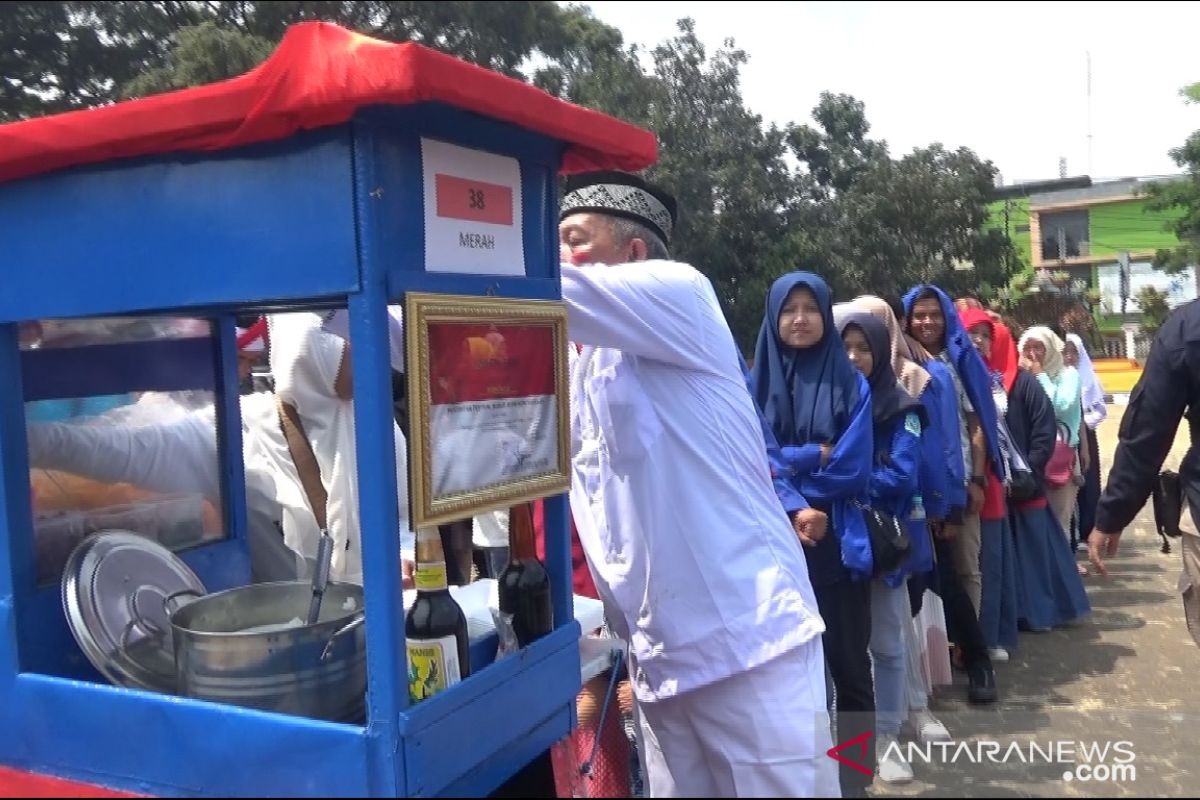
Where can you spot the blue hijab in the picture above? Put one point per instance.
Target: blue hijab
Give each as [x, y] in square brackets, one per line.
[974, 374]
[808, 395]
[888, 398]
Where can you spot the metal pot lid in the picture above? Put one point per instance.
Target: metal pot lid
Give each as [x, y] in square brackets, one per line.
[116, 590]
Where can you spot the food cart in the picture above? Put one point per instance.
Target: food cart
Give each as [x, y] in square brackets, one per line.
[343, 172]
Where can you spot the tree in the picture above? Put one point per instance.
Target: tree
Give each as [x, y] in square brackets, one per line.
[202, 54]
[888, 224]
[1184, 195]
[738, 199]
[58, 57]
[1155, 309]
[29, 45]
[837, 152]
[738, 196]
[593, 68]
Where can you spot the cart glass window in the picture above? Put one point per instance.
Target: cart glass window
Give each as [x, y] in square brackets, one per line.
[121, 429]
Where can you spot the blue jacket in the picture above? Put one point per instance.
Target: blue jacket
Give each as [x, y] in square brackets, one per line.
[933, 476]
[837, 489]
[895, 487]
[974, 374]
[789, 497]
[943, 396]
[801, 482]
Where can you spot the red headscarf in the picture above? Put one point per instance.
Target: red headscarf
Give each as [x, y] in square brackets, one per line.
[993, 494]
[1004, 353]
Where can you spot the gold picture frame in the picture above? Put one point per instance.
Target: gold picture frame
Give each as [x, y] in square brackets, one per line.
[487, 380]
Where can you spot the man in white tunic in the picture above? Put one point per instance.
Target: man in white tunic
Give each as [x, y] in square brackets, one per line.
[692, 552]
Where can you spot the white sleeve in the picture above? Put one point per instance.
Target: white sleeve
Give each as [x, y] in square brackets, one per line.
[305, 358]
[338, 323]
[660, 310]
[177, 457]
[1094, 415]
[490, 529]
[408, 539]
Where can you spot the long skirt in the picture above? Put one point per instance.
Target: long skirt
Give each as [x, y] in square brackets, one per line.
[999, 609]
[1050, 591]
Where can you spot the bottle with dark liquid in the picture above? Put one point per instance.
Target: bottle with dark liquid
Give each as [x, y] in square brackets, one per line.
[524, 586]
[435, 628]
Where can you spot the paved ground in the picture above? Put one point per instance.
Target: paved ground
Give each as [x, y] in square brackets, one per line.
[1131, 674]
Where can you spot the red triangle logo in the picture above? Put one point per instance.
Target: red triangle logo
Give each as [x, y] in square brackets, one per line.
[861, 742]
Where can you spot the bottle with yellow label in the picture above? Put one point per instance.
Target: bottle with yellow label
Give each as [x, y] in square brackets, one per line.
[435, 628]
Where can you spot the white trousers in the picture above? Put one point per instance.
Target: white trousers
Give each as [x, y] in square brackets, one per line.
[762, 733]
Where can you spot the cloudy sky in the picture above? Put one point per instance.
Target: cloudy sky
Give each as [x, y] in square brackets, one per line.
[1008, 79]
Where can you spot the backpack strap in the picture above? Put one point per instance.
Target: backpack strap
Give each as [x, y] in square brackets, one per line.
[304, 459]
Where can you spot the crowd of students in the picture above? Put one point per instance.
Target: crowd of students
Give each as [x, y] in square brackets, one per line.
[977, 447]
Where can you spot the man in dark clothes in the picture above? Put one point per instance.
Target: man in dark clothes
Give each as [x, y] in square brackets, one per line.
[1168, 390]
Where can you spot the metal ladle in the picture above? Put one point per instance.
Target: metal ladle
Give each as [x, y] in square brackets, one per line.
[320, 576]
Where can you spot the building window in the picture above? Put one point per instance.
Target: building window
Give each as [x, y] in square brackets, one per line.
[1064, 235]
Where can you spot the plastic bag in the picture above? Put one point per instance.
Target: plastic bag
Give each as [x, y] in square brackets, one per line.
[506, 633]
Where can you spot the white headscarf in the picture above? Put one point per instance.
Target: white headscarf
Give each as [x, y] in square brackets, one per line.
[1094, 410]
[1052, 363]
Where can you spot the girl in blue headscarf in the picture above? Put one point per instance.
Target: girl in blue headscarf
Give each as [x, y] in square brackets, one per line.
[819, 409]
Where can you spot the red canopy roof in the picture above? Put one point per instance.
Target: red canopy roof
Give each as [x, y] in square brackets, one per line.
[319, 75]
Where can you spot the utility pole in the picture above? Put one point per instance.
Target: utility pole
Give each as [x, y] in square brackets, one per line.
[1008, 266]
[1123, 266]
[1089, 111]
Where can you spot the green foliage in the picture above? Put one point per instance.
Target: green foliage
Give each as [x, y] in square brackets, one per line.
[1155, 310]
[203, 53]
[1182, 196]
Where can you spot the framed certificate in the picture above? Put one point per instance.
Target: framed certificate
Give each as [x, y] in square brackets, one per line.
[487, 393]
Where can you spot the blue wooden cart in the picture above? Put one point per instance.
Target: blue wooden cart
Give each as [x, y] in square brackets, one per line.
[298, 212]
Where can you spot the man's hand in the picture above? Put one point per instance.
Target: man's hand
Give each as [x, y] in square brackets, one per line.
[974, 499]
[826, 452]
[407, 568]
[1102, 545]
[810, 525]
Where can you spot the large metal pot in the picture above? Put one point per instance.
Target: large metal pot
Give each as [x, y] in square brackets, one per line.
[317, 671]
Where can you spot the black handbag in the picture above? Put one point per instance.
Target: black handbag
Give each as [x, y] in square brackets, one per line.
[1168, 506]
[1022, 485]
[891, 546]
